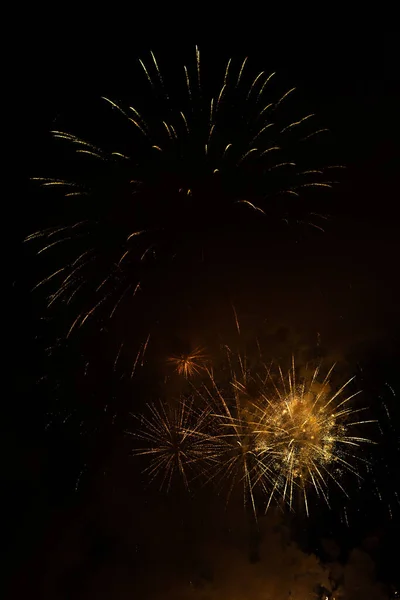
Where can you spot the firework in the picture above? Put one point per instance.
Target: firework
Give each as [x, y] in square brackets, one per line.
[176, 442]
[190, 363]
[188, 160]
[293, 436]
[279, 437]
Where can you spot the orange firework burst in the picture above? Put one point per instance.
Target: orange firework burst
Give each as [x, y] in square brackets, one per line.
[190, 363]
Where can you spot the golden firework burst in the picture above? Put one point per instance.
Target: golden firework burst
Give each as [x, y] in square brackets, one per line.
[284, 436]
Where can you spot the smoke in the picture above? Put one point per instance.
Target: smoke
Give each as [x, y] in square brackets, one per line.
[271, 567]
[356, 579]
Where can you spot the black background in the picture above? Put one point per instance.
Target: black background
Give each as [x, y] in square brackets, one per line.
[352, 82]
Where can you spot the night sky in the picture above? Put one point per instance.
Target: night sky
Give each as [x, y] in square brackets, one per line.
[83, 521]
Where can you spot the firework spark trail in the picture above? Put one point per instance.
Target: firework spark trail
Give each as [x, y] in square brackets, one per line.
[144, 349]
[236, 319]
[117, 356]
[136, 360]
[140, 355]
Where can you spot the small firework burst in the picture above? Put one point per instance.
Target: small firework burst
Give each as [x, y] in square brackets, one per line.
[190, 363]
[176, 442]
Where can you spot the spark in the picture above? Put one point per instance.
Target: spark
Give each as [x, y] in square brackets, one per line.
[90, 153]
[146, 251]
[211, 110]
[146, 72]
[92, 310]
[220, 96]
[252, 205]
[241, 71]
[226, 71]
[261, 132]
[188, 82]
[285, 96]
[198, 65]
[174, 131]
[66, 284]
[185, 121]
[262, 111]
[168, 130]
[253, 84]
[135, 233]
[118, 355]
[48, 278]
[137, 125]
[236, 319]
[307, 137]
[296, 123]
[157, 68]
[73, 325]
[136, 360]
[53, 244]
[52, 182]
[264, 85]
[270, 150]
[316, 226]
[137, 113]
[114, 105]
[75, 140]
[311, 171]
[247, 154]
[210, 134]
[74, 293]
[57, 230]
[328, 185]
[119, 300]
[123, 256]
[284, 164]
[145, 348]
[226, 149]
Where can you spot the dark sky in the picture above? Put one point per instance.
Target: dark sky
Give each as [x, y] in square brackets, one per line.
[298, 289]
